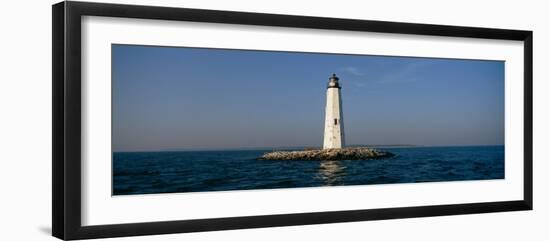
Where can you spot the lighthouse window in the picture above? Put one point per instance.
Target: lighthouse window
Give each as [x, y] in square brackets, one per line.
[336, 121]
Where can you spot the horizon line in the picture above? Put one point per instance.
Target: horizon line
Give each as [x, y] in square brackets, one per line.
[296, 147]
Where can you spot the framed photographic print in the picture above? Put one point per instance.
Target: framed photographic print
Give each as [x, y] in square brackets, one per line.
[170, 120]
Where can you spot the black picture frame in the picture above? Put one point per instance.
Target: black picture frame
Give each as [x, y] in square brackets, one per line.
[66, 159]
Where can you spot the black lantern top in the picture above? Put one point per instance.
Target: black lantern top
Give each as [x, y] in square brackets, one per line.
[333, 82]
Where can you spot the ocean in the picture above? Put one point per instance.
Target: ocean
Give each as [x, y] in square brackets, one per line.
[197, 171]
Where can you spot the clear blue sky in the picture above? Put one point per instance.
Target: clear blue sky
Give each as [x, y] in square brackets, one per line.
[192, 98]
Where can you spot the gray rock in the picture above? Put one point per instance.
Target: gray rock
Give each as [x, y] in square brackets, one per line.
[350, 153]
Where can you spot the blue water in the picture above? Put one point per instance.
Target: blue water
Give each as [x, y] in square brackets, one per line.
[195, 171]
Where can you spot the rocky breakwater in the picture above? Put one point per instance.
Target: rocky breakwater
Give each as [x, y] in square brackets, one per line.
[350, 153]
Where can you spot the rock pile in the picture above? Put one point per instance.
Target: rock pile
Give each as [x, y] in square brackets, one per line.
[350, 153]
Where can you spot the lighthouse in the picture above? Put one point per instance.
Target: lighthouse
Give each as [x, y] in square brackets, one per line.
[334, 120]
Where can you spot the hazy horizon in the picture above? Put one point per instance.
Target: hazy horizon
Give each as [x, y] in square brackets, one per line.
[300, 147]
[167, 98]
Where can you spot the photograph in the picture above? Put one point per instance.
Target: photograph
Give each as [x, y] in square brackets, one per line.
[189, 119]
[173, 118]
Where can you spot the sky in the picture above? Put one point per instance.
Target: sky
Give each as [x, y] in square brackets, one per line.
[177, 98]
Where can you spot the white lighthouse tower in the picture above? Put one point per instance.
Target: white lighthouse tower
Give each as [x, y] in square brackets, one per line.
[334, 120]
